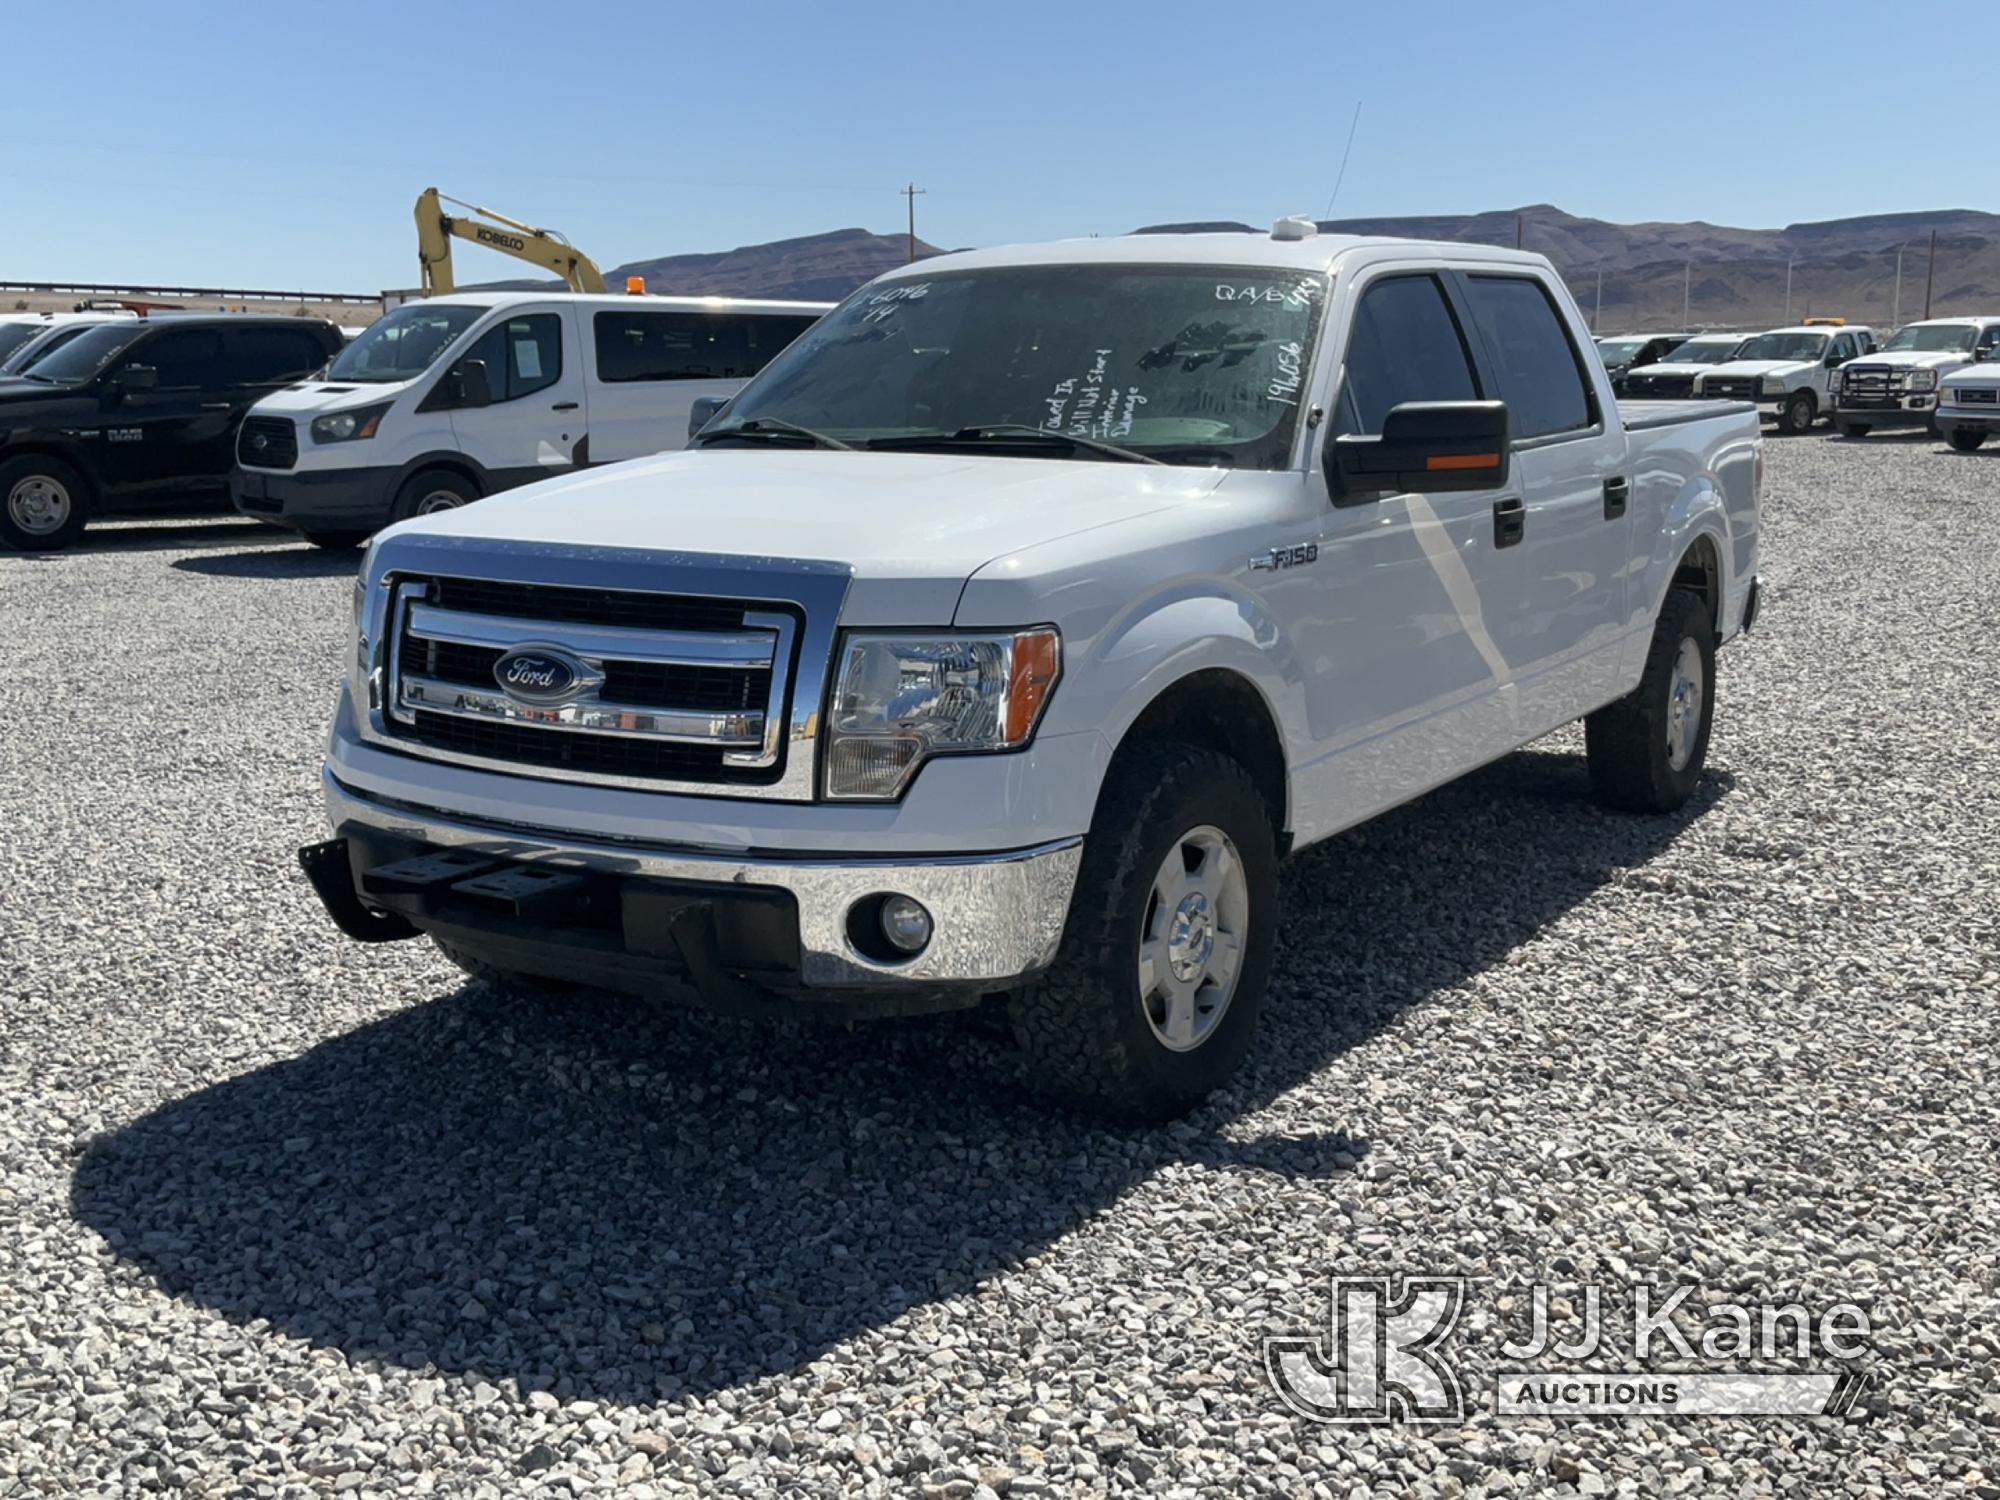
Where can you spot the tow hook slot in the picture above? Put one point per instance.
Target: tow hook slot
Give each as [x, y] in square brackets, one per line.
[528, 891]
[331, 872]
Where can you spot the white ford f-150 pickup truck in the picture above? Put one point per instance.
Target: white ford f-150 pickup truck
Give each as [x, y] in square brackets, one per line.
[998, 640]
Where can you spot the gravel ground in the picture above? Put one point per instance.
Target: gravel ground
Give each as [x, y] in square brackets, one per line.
[280, 1214]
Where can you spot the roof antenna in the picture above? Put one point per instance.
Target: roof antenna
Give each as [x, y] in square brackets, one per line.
[1337, 181]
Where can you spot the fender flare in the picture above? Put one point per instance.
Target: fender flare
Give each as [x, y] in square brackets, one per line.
[1700, 510]
[1144, 652]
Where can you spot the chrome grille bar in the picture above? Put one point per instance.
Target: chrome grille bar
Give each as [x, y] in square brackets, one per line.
[595, 643]
[684, 726]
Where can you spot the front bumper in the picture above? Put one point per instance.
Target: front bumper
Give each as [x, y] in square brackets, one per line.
[1888, 409]
[763, 920]
[316, 499]
[1968, 418]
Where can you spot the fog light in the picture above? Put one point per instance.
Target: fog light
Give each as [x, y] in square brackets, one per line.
[906, 924]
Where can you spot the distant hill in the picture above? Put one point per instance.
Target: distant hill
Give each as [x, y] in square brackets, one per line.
[813, 268]
[1734, 277]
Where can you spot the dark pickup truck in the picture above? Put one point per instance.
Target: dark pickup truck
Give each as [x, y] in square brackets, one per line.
[140, 415]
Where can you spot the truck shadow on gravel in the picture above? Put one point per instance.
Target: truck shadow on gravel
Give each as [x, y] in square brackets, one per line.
[591, 1196]
[299, 560]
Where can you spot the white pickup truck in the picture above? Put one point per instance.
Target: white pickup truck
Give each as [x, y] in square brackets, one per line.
[1897, 385]
[1791, 372]
[1001, 637]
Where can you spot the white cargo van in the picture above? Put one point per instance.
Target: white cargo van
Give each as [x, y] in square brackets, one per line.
[446, 400]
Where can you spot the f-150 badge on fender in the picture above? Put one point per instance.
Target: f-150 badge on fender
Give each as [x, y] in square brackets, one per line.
[1287, 557]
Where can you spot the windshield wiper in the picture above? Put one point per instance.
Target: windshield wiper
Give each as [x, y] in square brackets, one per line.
[990, 431]
[773, 427]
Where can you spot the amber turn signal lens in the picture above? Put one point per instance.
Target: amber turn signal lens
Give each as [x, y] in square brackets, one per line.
[1037, 664]
[1463, 461]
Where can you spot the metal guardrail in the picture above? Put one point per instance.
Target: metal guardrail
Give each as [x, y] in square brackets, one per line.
[142, 290]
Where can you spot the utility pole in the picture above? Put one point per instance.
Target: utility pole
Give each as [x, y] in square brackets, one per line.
[1896, 312]
[1520, 229]
[1788, 287]
[913, 192]
[1687, 289]
[1597, 316]
[1930, 270]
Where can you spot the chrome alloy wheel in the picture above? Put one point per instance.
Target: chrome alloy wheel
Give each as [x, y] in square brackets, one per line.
[438, 500]
[39, 504]
[1191, 939]
[1684, 706]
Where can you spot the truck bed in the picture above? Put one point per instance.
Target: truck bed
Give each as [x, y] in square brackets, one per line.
[1638, 416]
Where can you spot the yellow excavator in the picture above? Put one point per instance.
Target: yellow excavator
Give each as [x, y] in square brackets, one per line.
[541, 247]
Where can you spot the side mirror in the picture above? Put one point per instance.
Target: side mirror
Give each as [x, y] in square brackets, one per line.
[704, 411]
[1425, 446]
[1982, 354]
[473, 387]
[135, 378]
[1833, 361]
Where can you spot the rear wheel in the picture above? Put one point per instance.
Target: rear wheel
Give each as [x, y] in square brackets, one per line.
[1798, 412]
[1965, 440]
[1646, 751]
[44, 503]
[1153, 998]
[429, 491]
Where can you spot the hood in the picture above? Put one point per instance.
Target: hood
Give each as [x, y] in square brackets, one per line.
[314, 398]
[20, 388]
[1671, 369]
[1763, 367]
[1916, 359]
[912, 526]
[1983, 375]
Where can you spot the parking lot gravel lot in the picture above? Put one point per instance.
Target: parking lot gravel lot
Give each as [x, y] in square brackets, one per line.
[285, 1215]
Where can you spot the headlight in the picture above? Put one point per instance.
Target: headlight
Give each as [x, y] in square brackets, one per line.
[1948, 396]
[900, 700]
[1923, 380]
[348, 426]
[1773, 385]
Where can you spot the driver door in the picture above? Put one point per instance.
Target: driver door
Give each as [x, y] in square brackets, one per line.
[158, 442]
[535, 424]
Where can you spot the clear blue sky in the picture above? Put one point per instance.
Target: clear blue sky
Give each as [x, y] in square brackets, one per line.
[273, 144]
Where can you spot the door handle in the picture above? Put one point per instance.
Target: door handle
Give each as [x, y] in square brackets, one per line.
[217, 405]
[564, 406]
[1616, 492]
[1510, 522]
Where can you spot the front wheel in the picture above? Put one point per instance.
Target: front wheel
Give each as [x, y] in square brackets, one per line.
[1965, 440]
[430, 491]
[1154, 995]
[1798, 412]
[44, 503]
[1646, 750]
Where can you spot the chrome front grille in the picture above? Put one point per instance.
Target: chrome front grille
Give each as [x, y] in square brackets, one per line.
[1977, 395]
[672, 688]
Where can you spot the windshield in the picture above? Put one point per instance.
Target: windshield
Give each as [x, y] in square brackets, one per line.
[1619, 351]
[1194, 366]
[404, 344]
[1702, 352]
[14, 335]
[87, 353]
[1934, 338]
[1799, 347]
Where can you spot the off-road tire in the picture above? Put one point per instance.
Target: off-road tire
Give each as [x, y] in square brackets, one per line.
[1626, 742]
[1798, 413]
[336, 541]
[1082, 1023]
[419, 493]
[26, 469]
[1965, 441]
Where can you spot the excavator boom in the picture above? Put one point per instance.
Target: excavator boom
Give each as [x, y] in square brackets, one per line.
[540, 247]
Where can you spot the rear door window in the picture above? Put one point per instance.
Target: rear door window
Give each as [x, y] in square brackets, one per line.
[1405, 346]
[272, 356]
[648, 345]
[1540, 373]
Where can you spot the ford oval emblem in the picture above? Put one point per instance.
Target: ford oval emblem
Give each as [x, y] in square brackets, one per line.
[540, 674]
